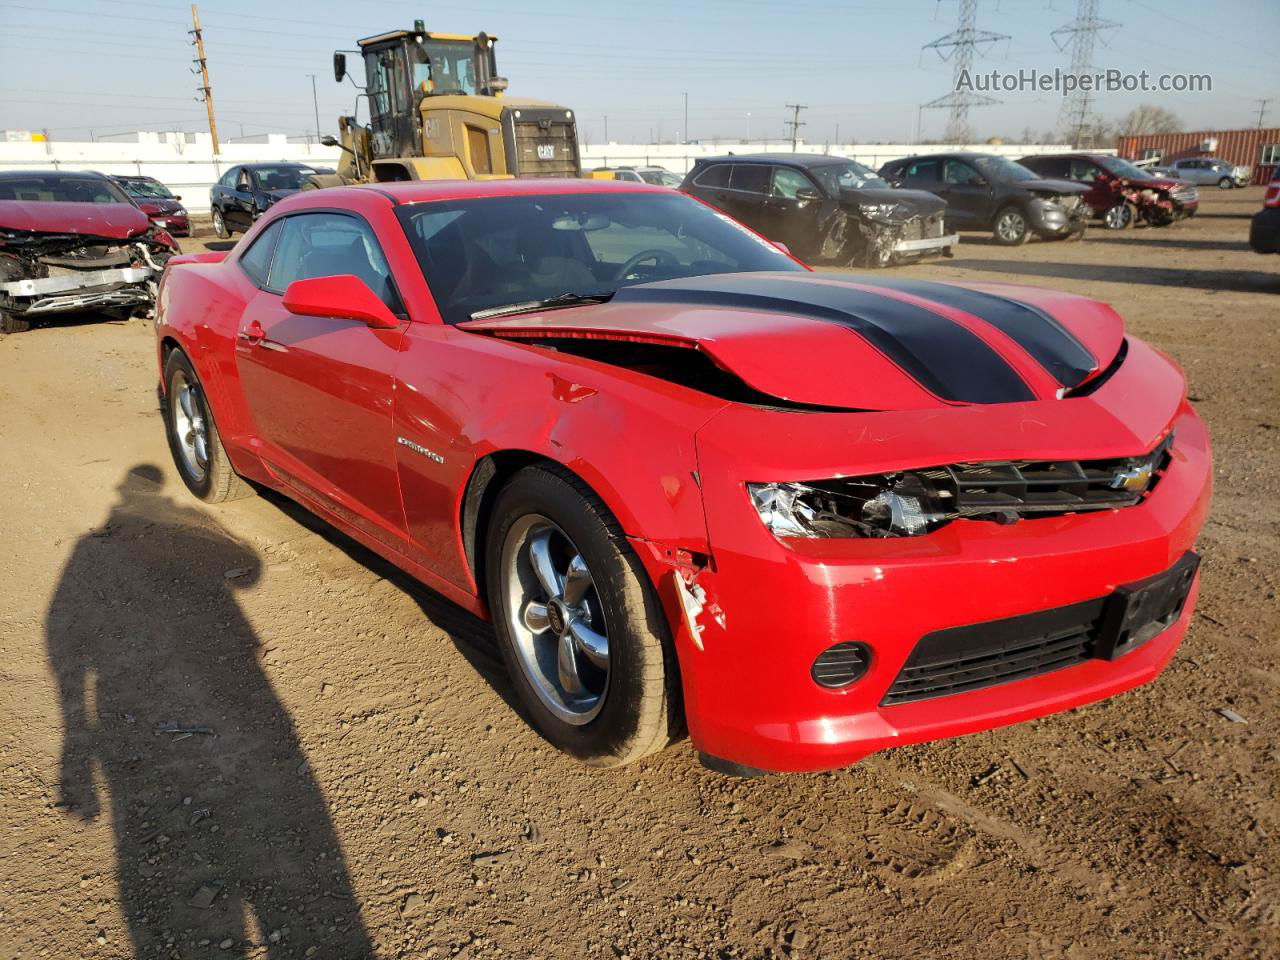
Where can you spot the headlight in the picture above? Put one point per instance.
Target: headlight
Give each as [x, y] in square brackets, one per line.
[180, 212]
[915, 502]
[888, 506]
[884, 211]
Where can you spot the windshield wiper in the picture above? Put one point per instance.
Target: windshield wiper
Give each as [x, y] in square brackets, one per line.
[528, 306]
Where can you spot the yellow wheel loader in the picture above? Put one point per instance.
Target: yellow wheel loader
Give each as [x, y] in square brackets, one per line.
[437, 111]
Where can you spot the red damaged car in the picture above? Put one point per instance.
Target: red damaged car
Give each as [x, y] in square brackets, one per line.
[694, 485]
[71, 242]
[1120, 192]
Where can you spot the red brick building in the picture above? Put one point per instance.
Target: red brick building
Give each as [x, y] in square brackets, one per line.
[1259, 149]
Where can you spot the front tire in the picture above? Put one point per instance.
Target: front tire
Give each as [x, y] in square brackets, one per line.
[579, 624]
[1226, 183]
[220, 225]
[197, 449]
[1119, 217]
[1011, 228]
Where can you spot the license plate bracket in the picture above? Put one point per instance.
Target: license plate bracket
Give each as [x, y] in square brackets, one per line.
[1137, 612]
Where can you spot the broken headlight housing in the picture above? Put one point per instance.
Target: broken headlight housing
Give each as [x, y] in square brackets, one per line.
[915, 502]
[887, 212]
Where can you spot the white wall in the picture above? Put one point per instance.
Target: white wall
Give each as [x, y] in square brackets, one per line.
[186, 164]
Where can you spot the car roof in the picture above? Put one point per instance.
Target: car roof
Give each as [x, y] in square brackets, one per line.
[780, 159]
[16, 174]
[432, 191]
[276, 166]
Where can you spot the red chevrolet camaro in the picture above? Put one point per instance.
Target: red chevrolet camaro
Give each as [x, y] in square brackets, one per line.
[693, 484]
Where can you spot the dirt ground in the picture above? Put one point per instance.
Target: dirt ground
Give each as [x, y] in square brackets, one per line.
[229, 732]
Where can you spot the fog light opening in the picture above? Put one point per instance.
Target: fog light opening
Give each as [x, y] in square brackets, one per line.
[841, 665]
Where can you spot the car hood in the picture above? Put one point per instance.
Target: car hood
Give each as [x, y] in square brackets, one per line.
[853, 342]
[1064, 187]
[921, 203]
[116, 221]
[159, 205]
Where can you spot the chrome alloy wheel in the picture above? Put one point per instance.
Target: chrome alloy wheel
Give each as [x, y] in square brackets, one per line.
[1011, 226]
[1118, 217]
[190, 428]
[555, 618]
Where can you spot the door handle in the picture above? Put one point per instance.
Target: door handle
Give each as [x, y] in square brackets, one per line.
[253, 333]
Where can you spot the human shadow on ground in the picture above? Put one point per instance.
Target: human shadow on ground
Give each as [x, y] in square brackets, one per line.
[222, 833]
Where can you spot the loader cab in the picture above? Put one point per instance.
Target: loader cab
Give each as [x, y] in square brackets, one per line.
[406, 67]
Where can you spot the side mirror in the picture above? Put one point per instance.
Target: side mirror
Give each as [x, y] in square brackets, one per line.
[339, 65]
[807, 193]
[178, 197]
[343, 297]
[895, 182]
[329, 141]
[782, 246]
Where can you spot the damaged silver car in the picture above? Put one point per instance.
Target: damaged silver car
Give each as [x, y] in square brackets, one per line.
[71, 242]
[825, 210]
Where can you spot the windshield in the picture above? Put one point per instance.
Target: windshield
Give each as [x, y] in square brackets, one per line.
[286, 177]
[1123, 168]
[1002, 168]
[446, 66]
[492, 251]
[850, 175]
[146, 189]
[60, 188]
[659, 178]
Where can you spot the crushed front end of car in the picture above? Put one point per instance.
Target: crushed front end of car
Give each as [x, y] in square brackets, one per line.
[876, 232]
[45, 273]
[1058, 215]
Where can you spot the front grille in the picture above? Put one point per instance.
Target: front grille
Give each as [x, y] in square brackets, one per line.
[558, 135]
[961, 659]
[969, 658]
[1018, 487]
[922, 228]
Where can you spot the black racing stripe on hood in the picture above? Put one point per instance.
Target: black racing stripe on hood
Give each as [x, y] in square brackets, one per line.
[1050, 343]
[942, 356]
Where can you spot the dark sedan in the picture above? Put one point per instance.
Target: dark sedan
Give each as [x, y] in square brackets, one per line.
[986, 192]
[823, 209]
[1264, 232]
[245, 192]
[160, 205]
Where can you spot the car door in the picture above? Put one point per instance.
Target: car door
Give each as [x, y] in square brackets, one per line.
[967, 193]
[793, 211]
[239, 209]
[748, 193]
[220, 195]
[319, 389]
[710, 184]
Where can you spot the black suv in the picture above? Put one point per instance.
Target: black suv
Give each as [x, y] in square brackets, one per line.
[988, 192]
[823, 209]
[244, 192]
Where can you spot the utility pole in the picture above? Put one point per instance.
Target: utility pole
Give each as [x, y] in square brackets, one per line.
[1262, 109]
[686, 118]
[206, 90]
[315, 102]
[795, 123]
[1080, 34]
[960, 45]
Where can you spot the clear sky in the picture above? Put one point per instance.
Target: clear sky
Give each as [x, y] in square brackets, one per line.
[70, 66]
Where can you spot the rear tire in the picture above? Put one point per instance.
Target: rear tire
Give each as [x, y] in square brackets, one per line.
[606, 703]
[197, 449]
[220, 225]
[1010, 227]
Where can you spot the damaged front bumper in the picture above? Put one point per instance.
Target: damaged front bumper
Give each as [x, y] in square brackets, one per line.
[82, 290]
[926, 245]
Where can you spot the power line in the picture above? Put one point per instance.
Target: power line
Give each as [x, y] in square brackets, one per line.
[1080, 34]
[795, 123]
[1262, 109]
[959, 46]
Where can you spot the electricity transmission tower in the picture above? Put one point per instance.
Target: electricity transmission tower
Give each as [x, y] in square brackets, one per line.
[959, 46]
[1080, 34]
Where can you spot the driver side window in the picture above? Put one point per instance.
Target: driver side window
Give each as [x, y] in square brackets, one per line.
[330, 245]
[787, 183]
[960, 174]
[1083, 171]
